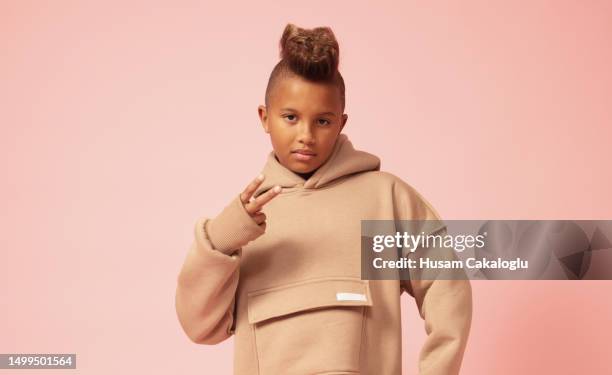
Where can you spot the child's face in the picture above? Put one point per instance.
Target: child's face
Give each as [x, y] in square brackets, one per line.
[303, 115]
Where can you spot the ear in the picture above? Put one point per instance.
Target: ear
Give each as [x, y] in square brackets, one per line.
[263, 117]
[344, 119]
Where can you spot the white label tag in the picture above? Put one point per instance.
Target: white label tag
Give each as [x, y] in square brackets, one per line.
[350, 297]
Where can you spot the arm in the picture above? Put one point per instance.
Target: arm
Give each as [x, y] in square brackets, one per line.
[207, 282]
[445, 304]
[446, 307]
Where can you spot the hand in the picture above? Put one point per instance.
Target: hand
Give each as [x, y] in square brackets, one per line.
[254, 205]
[232, 229]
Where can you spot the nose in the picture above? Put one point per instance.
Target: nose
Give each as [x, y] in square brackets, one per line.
[305, 135]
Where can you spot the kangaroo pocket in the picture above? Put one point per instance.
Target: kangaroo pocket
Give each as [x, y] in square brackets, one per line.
[310, 327]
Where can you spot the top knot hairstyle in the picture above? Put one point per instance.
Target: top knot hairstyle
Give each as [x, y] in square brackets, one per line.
[312, 54]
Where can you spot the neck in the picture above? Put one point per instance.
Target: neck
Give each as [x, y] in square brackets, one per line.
[305, 176]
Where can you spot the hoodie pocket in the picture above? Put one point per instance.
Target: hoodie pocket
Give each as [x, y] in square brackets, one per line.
[310, 327]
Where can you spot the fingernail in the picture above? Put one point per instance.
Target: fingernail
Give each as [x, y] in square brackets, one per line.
[260, 177]
[277, 189]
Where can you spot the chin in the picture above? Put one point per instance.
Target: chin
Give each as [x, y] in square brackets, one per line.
[301, 168]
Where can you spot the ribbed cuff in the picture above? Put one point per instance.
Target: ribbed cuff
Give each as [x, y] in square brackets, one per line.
[232, 228]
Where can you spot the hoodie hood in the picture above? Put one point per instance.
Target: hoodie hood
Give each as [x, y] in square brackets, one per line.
[343, 161]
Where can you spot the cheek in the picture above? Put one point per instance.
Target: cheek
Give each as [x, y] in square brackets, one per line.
[281, 133]
[330, 141]
[281, 139]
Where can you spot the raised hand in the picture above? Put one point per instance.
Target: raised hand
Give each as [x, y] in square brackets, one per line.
[254, 205]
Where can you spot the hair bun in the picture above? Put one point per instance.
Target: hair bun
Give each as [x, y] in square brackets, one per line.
[312, 53]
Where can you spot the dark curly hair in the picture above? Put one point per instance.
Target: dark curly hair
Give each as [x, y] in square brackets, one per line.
[312, 54]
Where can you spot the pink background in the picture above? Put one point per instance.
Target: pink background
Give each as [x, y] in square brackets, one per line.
[123, 122]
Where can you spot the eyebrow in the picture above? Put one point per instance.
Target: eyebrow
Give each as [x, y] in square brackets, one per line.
[322, 113]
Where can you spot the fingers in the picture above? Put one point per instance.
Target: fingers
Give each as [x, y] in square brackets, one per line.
[248, 192]
[256, 204]
[259, 217]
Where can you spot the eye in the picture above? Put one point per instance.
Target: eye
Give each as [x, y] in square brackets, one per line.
[289, 117]
[325, 121]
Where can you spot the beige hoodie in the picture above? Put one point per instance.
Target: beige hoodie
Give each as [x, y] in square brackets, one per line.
[293, 296]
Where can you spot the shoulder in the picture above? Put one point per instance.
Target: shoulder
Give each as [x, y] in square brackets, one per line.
[390, 181]
[410, 202]
[379, 177]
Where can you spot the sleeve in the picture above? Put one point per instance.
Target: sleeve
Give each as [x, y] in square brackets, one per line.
[207, 282]
[444, 304]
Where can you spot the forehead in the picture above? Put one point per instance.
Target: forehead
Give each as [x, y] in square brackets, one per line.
[302, 95]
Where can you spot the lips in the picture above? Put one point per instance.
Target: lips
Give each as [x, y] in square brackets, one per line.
[303, 155]
[304, 152]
